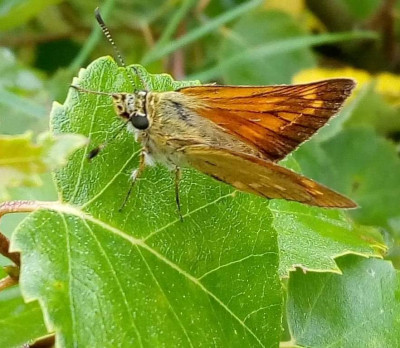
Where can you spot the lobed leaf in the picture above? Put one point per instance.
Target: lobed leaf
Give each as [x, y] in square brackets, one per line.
[142, 277]
[20, 322]
[359, 308]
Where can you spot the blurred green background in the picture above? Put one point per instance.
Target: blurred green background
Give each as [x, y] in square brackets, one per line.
[44, 43]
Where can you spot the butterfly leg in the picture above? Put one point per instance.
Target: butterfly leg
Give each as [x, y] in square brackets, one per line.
[178, 176]
[135, 175]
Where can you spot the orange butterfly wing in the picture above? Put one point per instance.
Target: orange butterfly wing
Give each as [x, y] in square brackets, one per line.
[273, 119]
[262, 177]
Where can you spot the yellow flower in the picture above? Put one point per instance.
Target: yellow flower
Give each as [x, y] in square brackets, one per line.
[294, 7]
[389, 86]
[386, 84]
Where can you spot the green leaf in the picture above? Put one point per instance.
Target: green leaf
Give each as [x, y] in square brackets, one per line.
[21, 161]
[362, 10]
[20, 322]
[199, 32]
[21, 103]
[13, 13]
[246, 34]
[373, 110]
[362, 165]
[278, 47]
[212, 279]
[311, 238]
[142, 277]
[359, 308]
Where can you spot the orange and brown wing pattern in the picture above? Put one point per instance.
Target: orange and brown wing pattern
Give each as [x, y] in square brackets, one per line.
[262, 177]
[273, 119]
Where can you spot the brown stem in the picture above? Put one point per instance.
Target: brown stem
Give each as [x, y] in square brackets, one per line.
[12, 271]
[4, 250]
[22, 206]
[178, 57]
[384, 21]
[7, 282]
[16, 207]
[42, 342]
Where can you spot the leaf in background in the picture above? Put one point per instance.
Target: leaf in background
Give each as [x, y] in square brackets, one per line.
[359, 308]
[21, 99]
[17, 12]
[280, 47]
[211, 280]
[311, 238]
[196, 34]
[246, 34]
[20, 322]
[21, 161]
[374, 111]
[362, 10]
[362, 165]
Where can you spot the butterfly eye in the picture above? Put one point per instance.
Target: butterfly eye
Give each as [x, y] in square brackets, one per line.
[140, 122]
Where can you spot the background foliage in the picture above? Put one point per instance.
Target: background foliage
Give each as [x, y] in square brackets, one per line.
[233, 273]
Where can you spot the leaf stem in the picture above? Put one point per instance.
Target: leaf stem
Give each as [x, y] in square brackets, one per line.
[5, 250]
[16, 207]
[7, 282]
[47, 341]
[22, 206]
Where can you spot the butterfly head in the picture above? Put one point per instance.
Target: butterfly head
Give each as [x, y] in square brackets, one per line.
[132, 107]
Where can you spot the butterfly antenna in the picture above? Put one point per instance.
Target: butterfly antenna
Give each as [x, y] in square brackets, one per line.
[120, 58]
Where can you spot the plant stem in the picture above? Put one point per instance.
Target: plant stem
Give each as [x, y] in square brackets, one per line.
[7, 282]
[278, 47]
[173, 24]
[199, 32]
[93, 39]
[4, 250]
[16, 207]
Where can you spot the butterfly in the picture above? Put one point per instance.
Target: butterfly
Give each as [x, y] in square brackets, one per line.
[235, 134]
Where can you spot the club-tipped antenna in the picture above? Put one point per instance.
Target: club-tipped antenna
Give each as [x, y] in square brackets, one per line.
[107, 34]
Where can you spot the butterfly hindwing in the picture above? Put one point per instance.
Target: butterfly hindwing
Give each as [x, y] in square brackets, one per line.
[262, 177]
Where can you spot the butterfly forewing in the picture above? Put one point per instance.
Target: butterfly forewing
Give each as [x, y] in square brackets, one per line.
[273, 119]
[262, 177]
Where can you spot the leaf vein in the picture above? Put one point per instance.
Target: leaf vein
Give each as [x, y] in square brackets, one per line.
[234, 262]
[68, 209]
[114, 275]
[106, 186]
[163, 292]
[71, 299]
[151, 234]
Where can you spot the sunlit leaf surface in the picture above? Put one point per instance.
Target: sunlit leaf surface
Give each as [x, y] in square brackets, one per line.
[141, 276]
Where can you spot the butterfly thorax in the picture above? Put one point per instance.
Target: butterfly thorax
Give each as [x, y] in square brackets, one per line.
[164, 123]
